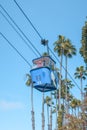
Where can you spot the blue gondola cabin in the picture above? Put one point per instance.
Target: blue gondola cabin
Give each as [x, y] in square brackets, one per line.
[42, 75]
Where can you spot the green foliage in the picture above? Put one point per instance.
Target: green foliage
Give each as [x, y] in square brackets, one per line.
[64, 46]
[47, 100]
[80, 73]
[29, 80]
[73, 123]
[83, 49]
[45, 54]
[60, 119]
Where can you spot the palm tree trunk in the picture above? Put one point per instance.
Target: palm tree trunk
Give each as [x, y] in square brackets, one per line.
[43, 117]
[51, 113]
[75, 111]
[57, 102]
[48, 116]
[32, 109]
[72, 112]
[60, 76]
[78, 111]
[66, 86]
[81, 91]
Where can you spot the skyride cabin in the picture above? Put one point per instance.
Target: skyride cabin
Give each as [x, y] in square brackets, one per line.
[44, 77]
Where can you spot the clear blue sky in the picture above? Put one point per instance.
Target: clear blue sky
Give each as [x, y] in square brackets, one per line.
[51, 18]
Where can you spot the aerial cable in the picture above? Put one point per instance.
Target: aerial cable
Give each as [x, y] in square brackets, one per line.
[18, 33]
[20, 29]
[15, 49]
[42, 39]
[28, 19]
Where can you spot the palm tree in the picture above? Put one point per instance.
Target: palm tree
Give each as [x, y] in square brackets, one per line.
[69, 51]
[29, 83]
[59, 48]
[64, 47]
[81, 74]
